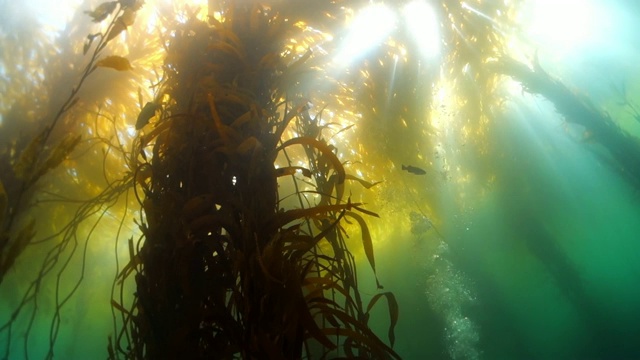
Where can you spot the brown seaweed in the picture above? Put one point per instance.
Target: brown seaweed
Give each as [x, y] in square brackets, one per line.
[42, 154]
[223, 271]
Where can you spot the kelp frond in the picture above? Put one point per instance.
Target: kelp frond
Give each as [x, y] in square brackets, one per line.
[223, 270]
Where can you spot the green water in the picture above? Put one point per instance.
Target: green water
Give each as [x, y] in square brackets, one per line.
[542, 261]
[543, 265]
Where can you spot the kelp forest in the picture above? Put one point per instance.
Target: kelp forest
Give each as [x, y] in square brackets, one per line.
[344, 179]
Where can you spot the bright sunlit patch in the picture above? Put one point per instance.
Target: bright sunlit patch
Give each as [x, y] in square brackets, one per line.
[152, 22]
[513, 87]
[369, 29]
[567, 21]
[131, 131]
[54, 14]
[477, 12]
[566, 24]
[423, 26]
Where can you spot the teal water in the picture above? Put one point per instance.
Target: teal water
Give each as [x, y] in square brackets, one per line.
[543, 265]
[542, 262]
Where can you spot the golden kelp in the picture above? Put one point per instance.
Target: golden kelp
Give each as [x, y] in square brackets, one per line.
[224, 271]
[51, 146]
[115, 62]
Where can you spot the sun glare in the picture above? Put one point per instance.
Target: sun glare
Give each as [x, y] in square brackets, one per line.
[54, 14]
[423, 26]
[369, 28]
[567, 24]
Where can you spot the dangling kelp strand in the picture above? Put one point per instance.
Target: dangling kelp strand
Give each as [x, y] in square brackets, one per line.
[36, 160]
[223, 270]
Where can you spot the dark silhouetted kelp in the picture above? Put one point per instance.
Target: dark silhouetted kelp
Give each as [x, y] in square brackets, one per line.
[577, 108]
[243, 196]
[223, 270]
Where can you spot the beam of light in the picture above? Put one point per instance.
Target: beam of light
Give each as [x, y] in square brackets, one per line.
[423, 26]
[369, 28]
[497, 26]
[477, 12]
[567, 24]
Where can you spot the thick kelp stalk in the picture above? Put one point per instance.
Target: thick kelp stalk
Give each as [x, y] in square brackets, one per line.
[222, 270]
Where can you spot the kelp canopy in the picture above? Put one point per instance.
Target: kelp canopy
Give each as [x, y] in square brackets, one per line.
[227, 153]
[222, 268]
[237, 274]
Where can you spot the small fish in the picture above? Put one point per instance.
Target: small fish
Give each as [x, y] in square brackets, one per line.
[414, 170]
[148, 111]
